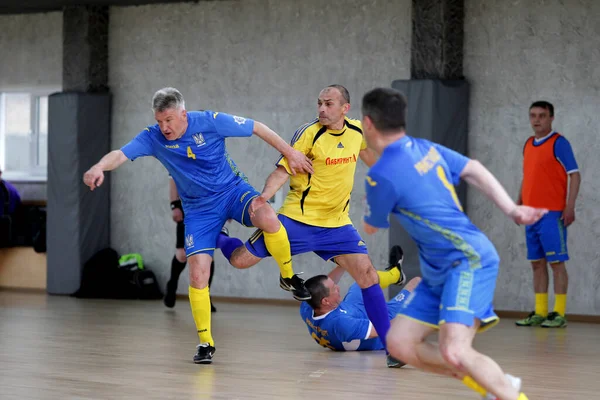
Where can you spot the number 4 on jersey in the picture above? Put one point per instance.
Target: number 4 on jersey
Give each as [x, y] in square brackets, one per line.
[190, 153]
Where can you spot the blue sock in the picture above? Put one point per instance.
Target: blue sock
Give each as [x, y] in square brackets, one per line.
[377, 311]
[228, 245]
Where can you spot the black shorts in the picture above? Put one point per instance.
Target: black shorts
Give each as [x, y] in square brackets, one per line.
[179, 244]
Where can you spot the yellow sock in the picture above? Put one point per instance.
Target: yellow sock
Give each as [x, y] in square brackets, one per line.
[560, 303]
[200, 303]
[522, 396]
[541, 304]
[471, 384]
[278, 245]
[386, 278]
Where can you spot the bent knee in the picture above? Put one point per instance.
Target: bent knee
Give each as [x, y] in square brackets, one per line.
[199, 274]
[369, 278]
[455, 355]
[266, 219]
[363, 273]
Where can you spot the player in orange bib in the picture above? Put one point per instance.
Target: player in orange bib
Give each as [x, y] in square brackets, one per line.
[548, 163]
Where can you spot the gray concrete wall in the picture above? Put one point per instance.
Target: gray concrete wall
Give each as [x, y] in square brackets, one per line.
[516, 53]
[31, 51]
[31, 54]
[270, 64]
[263, 59]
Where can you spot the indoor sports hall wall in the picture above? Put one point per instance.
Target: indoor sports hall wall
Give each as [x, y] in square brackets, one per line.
[31, 60]
[263, 59]
[516, 53]
[31, 51]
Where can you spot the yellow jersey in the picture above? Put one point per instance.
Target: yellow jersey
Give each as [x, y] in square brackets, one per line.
[323, 198]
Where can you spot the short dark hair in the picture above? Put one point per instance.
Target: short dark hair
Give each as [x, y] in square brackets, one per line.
[543, 104]
[386, 107]
[318, 291]
[343, 91]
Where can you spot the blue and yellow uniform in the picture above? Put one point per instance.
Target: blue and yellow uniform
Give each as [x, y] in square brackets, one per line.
[315, 212]
[211, 188]
[547, 162]
[414, 180]
[348, 327]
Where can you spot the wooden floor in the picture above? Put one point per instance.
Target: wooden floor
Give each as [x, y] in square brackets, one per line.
[65, 348]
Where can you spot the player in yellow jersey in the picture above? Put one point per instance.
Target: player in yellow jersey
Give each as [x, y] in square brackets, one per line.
[315, 211]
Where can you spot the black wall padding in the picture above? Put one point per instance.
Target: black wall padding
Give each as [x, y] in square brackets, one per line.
[438, 110]
[78, 219]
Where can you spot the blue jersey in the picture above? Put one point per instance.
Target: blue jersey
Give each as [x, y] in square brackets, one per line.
[198, 161]
[562, 151]
[345, 328]
[414, 180]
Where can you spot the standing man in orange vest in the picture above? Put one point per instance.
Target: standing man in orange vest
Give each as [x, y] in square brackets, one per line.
[548, 162]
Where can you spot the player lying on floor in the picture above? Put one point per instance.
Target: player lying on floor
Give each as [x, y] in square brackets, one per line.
[343, 325]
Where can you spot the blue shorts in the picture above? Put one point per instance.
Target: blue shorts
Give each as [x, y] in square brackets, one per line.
[466, 295]
[547, 239]
[203, 223]
[327, 243]
[396, 303]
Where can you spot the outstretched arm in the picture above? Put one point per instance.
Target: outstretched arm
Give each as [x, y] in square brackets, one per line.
[297, 161]
[140, 146]
[112, 160]
[95, 175]
[477, 175]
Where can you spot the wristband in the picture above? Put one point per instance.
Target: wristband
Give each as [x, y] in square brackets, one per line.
[176, 204]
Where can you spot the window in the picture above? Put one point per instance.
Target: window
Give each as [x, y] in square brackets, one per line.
[24, 135]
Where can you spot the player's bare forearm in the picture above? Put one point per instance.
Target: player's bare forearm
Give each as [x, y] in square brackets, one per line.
[574, 184]
[368, 156]
[112, 160]
[95, 175]
[173, 194]
[336, 274]
[477, 175]
[274, 182]
[272, 138]
[297, 161]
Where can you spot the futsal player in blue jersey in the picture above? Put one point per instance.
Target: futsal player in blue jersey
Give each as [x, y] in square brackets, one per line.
[343, 325]
[414, 180]
[191, 146]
